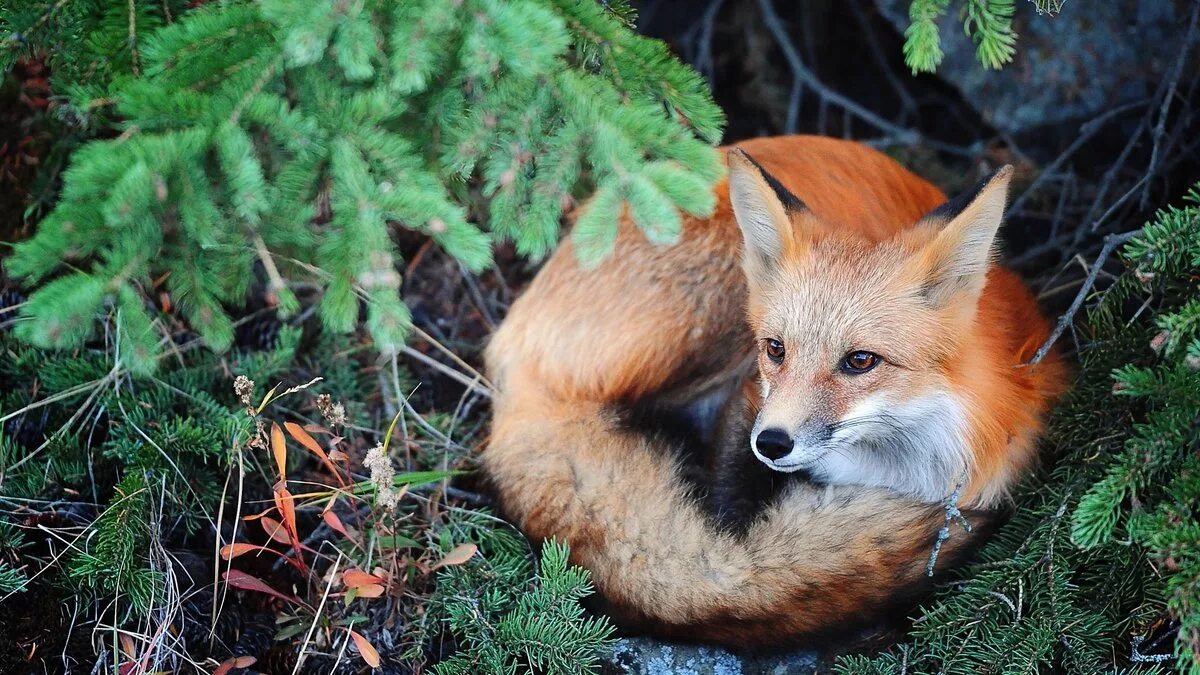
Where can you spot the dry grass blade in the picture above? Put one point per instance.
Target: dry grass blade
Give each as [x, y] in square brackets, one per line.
[317, 615]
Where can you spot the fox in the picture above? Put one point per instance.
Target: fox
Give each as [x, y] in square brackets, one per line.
[836, 323]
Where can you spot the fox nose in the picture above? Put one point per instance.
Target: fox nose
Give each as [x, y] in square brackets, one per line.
[773, 443]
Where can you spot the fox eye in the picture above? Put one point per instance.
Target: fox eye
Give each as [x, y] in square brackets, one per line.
[857, 363]
[775, 350]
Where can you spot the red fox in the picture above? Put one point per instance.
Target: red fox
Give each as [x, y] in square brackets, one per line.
[851, 324]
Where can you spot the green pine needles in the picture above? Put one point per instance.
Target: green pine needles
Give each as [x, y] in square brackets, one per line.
[509, 619]
[115, 558]
[13, 578]
[281, 143]
[1099, 569]
[988, 22]
[104, 39]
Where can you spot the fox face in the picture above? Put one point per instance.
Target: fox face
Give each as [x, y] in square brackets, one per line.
[863, 343]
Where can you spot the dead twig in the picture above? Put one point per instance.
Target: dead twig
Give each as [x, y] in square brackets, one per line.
[802, 74]
[1086, 132]
[1111, 242]
[1160, 127]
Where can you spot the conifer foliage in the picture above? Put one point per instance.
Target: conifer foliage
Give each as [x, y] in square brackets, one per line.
[284, 142]
[511, 620]
[91, 46]
[989, 23]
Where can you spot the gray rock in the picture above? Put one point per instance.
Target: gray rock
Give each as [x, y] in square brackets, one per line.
[1074, 65]
[643, 656]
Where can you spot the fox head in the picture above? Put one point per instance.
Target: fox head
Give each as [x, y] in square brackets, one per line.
[861, 342]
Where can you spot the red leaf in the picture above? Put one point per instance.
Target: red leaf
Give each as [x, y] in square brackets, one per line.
[231, 551]
[369, 591]
[275, 530]
[287, 510]
[356, 577]
[235, 662]
[331, 519]
[279, 447]
[313, 446]
[365, 649]
[461, 554]
[239, 579]
[256, 516]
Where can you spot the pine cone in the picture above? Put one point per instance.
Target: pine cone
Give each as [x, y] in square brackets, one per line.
[280, 658]
[197, 612]
[257, 636]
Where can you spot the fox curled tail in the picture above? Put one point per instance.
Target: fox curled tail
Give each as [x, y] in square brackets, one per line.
[820, 560]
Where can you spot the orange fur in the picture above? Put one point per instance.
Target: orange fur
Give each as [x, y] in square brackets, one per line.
[669, 324]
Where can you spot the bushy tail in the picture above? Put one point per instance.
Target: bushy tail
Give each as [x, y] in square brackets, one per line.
[819, 560]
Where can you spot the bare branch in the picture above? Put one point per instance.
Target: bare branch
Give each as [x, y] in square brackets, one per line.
[1111, 242]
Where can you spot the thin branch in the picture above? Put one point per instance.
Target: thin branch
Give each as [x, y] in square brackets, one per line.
[1111, 242]
[1110, 177]
[803, 74]
[953, 514]
[277, 284]
[907, 103]
[1160, 128]
[1086, 132]
[698, 42]
[473, 384]
[135, 55]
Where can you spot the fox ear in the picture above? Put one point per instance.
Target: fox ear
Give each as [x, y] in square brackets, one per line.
[956, 260]
[761, 205]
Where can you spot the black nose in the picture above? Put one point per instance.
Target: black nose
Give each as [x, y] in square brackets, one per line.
[773, 443]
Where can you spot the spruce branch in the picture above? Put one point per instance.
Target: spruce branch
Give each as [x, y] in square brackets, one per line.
[253, 132]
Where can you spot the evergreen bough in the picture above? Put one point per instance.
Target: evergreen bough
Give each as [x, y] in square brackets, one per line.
[509, 618]
[989, 23]
[90, 46]
[282, 142]
[1099, 568]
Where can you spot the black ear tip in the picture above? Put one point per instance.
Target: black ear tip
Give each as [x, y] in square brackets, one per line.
[955, 206]
[790, 201]
[740, 156]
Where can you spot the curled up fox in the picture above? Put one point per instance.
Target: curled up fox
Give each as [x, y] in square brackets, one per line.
[748, 437]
